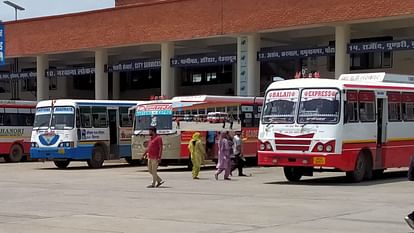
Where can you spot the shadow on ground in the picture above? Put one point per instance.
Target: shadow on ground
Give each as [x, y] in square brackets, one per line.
[387, 177]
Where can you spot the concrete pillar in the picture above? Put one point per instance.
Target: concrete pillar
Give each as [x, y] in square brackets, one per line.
[116, 86]
[248, 68]
[167, 72]
[342, 38]
[42, 82]
[101, 77]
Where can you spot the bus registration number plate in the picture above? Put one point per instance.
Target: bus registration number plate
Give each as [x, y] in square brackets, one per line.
[319, 160]
[61, 151]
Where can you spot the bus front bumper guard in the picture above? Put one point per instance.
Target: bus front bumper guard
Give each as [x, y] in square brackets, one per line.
[274, 159]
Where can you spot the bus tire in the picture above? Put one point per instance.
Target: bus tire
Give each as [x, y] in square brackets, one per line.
[98, 157]
[360, 170]
[15, 155]
[293, 174]
[62, 164]
[133, 162]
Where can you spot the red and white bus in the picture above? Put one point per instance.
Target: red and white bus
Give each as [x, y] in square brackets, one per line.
[16, 123]
[179, 118]
[360, 124]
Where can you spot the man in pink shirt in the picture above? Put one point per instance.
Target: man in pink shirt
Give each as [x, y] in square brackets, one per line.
[153, 154]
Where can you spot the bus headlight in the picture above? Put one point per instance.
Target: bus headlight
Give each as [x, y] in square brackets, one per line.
[328, 148]
[262, 146]
[319, 147]
[66, 144]
[34, 145]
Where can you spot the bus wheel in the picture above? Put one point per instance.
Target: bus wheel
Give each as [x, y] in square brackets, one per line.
[133, 162]
[98, 157]
[15, 155]
[62, 163]
[360, 171]
[293, 173]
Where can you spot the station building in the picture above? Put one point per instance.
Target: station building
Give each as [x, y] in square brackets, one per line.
[141, 48]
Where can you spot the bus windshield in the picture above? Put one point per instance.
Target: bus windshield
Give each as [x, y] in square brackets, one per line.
[63, 118]
[157, 115]
[42, 117]
[280, 106]
[319, 106]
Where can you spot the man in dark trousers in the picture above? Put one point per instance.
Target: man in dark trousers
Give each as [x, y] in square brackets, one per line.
[153, 154]
[237, 152]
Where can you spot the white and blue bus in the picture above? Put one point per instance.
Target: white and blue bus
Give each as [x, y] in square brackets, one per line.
[82, 130]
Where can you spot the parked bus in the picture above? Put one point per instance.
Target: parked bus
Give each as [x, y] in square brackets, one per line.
[82, 130]
[178, 119]
[16, 121]
[360, 124]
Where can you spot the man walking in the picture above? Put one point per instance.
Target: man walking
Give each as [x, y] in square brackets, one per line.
[237, 152]
[153, 154]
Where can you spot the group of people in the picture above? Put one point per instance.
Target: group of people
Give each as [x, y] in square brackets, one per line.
[230, 157]
[229, 154]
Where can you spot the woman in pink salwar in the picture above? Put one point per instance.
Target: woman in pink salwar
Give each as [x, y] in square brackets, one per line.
[224, 153]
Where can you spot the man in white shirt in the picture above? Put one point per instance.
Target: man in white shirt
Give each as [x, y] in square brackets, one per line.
[237, 149]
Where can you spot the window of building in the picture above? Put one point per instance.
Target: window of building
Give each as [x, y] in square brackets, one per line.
[29, 84]
[197, 78]
[84, 82]
[53, 83]
[365, 61]
[4, 85]
[141, 79]
[193, 76]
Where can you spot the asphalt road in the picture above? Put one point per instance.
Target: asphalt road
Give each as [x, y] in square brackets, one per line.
[37, 197]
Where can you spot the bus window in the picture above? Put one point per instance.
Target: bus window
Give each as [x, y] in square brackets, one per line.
[394, 106]
[351, 107]
[99, 117]
[366, 106]
[125, 120]
[408, 106]
[86, 118]
[1, 116]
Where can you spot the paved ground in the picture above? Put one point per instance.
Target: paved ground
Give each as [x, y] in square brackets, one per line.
[36, 197]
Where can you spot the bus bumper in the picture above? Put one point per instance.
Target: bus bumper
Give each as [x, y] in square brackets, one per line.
[61, 153]
[338, 161]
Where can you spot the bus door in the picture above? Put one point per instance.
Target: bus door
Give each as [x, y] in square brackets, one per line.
[113, 133]
[381, 132]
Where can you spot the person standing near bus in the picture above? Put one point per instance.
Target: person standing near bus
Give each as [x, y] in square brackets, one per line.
[238, 157]
[224, 153]
[197, 152]
[153, 154]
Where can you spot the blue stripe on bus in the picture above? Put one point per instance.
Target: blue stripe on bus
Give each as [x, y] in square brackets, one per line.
[78, 153]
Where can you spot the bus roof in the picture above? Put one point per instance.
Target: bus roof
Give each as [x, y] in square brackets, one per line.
[370, 81]
[70, 102]
[206, 101]
[17, 104]
[219, 99]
